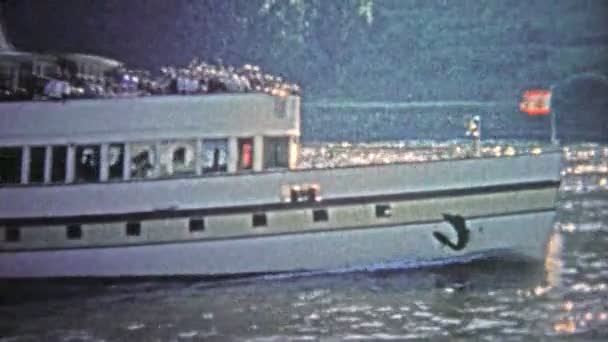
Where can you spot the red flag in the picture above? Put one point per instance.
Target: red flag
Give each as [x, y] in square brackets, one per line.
[536, 102]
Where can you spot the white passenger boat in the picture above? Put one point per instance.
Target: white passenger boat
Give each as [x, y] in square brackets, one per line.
[208, 185]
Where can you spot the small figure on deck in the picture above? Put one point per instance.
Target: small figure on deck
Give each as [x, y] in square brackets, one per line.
[473, 127]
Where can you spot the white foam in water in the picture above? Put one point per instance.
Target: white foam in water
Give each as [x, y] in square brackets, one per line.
[383, 266]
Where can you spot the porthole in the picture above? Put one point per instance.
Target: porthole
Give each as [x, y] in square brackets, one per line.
[12, 234]
[259, 220]
[197, 224]
[133, 228]
[383, 210]
[320, 215]
[74, 232]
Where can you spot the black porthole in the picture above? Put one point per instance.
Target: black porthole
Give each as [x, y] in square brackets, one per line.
[259, 220]
[197, 224]
[320, 215]
[12, 234]
[133, 228]
[74, 232]
[383, 210]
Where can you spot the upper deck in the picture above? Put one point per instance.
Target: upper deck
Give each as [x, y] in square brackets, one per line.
[148, 118]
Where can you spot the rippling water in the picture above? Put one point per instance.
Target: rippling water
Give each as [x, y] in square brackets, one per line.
[564, 298]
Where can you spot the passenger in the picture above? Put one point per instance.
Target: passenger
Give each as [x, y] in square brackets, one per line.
[56, 88]
[215, 83]
[66, 88]
[246, 86]
[125, 83]
[192, 85]
[134, 84]
[99, 87]
[196, 78]
[233, 83]
[181, 83]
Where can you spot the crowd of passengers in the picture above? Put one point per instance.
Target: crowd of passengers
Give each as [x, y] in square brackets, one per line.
[196, 78]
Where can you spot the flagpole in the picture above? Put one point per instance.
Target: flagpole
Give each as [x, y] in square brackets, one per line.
[554, 140]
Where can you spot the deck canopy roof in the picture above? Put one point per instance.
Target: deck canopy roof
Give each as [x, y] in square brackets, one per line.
[102, 62]
[13, 56]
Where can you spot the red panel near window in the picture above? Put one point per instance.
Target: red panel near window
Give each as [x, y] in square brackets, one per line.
[246, 155]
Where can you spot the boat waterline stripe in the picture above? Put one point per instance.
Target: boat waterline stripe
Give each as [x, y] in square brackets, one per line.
[201, 212]
[404, 225]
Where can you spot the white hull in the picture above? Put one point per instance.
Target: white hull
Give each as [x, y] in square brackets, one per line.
[523, 234]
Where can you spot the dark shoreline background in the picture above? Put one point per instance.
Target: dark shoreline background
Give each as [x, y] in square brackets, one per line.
[384, 50]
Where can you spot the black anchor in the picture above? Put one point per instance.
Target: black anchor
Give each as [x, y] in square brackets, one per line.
[462, 232]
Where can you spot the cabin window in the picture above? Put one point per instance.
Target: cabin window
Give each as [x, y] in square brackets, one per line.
[58, 163]
[177, 158]
[259, 220]
[320, 215]
[245, 153]
[6, 77]
[73, 232]
[37, 156]
[215, 155]
[12, 234]
[87, 163]
[143, 160]
[133, 228]
[197, 224]
[276, 152]
[10, 165]
[116, 155]
[383, 210]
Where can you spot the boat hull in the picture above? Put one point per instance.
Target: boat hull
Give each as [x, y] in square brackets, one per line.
[523, 234]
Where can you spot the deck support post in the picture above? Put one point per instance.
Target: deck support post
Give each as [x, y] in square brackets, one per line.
[48, 164]
[15, 79]
[103, 163]
[233, 154]
[293, 152]
[157, 159]
[25, 164]
[258, 153]
[126, 166]
[70, 167]
[198, 157]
